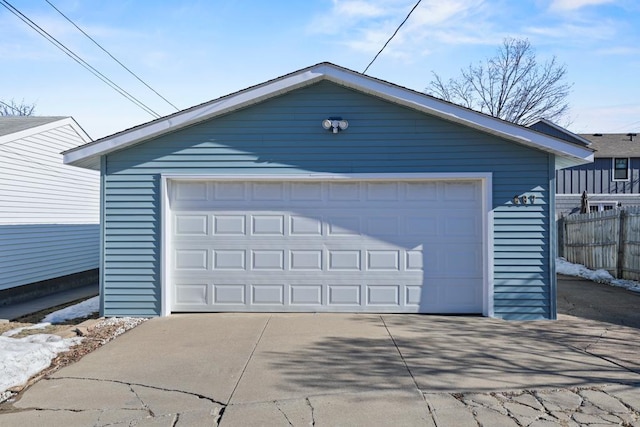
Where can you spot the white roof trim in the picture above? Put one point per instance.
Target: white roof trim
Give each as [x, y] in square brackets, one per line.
[88, 155]
[45, 127]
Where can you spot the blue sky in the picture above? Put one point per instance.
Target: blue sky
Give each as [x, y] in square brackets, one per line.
[195, 51]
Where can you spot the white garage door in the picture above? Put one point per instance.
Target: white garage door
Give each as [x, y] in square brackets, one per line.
[350, 246]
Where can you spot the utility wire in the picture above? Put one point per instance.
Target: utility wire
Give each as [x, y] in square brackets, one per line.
[112, 57]
[626, 127]
[77, 58]
[392, 36]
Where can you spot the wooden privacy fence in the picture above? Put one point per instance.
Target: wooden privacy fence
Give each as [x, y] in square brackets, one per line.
[608, 240]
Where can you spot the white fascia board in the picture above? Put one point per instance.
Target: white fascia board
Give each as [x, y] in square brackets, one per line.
[461, 115]
[191, 116]
[46, 127]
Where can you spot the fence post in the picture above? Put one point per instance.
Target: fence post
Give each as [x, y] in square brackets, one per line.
[560, 236]
[621, 245]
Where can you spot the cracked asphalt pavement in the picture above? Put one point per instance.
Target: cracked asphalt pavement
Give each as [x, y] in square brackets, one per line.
[357, 369]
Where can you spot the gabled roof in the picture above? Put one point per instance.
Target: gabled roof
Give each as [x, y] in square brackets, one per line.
[13, 124]
[17, 127]
[88, 155]
[614, 144]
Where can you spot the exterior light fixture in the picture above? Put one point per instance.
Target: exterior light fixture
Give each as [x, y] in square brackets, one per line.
[335, 124]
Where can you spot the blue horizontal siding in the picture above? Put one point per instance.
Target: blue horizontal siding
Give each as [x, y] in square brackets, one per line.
[283, 136]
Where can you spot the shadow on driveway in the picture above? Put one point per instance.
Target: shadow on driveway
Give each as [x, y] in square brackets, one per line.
[460, 354]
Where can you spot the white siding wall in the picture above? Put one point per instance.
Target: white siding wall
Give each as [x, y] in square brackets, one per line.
[49, 212]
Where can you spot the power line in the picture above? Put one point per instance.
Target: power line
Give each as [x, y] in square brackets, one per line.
[77, 58]
[112, 57]
[392, 36]
[627, 126]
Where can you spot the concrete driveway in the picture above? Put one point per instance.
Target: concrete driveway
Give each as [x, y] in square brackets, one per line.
[336, 369]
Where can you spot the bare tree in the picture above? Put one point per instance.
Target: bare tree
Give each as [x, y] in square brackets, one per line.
[13, 108]
[511, 85]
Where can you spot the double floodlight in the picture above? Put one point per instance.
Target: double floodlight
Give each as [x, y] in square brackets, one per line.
[335, 124]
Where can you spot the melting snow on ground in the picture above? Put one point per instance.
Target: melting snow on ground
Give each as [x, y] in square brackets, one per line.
[21, 358]
[83, 309]
[600, 276]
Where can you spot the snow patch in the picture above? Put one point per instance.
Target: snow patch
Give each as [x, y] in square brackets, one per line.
[83, 309]
[601, 276]
[21, 358]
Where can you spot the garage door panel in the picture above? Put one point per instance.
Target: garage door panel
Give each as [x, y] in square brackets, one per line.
[304, 226]
[343, 191]
[344, 294]
[267, 191]
[386, 191]
[305, 259]
[267, 294]
[383, 295]
[191, 225]
[229, 294]
[269, 225]
[268, 259]
[386, 260]
[229, 259]
[229, 191]
[460, 191]
[229, 225]
[191, 259]
[307, 295]
[306, 191]
[388, 246]
[421, 191]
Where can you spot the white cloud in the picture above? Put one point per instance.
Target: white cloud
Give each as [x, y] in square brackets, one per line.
[569, 5]
[365, 26]
[618, 50]
[576, 31]
[357, 9]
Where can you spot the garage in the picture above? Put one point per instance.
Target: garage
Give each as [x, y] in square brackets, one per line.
[412, 246]
[327, 190]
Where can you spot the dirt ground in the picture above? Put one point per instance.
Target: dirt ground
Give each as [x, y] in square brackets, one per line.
[95, 332]
[34, 318]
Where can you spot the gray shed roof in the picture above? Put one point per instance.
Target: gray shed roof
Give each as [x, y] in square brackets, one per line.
[13, 124]
[614, 144]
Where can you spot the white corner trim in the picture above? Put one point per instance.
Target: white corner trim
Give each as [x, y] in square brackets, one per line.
[165, 227]
[488, 247]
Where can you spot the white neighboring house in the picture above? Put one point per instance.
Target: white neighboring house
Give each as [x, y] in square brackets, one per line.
[49, 212]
